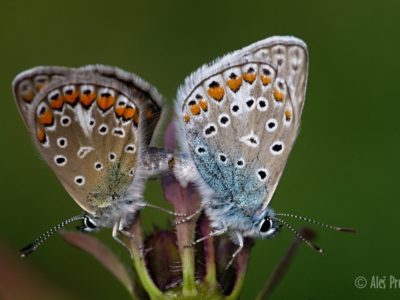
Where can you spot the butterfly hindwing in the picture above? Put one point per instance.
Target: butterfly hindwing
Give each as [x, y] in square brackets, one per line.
[240, 117]
[29, 83]
[91, 124]
[151, 100]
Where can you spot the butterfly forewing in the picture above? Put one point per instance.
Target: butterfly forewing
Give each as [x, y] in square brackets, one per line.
[90, 129]
[241, 117]
[29, 83]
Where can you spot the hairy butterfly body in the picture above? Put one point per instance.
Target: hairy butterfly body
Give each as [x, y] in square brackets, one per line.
[93, 125]
[238, 119]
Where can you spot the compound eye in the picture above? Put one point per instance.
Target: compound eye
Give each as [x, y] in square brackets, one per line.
[266, 225]
[89, 223]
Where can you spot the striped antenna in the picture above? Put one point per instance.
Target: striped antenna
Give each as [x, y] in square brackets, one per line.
[299, 236]
[336, 228]
[42, 238]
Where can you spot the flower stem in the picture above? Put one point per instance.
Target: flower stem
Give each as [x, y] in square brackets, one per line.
[145, 279]
[185, 235]
[209, 250]
[189, 285]
[135, 244]
[184, 200]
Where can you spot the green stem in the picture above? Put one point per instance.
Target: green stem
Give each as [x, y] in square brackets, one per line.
[211, 271]
[189, 285]
[145, 279]
[134, 244]
[185, 235]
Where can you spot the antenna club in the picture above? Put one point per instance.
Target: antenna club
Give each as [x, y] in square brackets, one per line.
[347, 229]
[41, 239]
[24, 252]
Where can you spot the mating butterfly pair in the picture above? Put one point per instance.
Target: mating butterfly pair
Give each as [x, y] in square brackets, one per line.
[237, 120]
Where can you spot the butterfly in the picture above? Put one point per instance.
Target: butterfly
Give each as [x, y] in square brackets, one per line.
[94, 126]
[237, 120]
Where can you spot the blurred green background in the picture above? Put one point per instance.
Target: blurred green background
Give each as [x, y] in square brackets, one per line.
[342, 170]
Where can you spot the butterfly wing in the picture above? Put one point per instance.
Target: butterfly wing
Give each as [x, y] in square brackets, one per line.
[90, 124]
[240, 116]
[30, 82]
[152, 102]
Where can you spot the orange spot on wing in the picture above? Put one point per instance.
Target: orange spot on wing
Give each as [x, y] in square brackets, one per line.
[186, 118]
[203, 104]
[234, 83]
[119, 111]
[266, 80]
[195, 109]
[105, 102]
[288, 115]
[128, 113]
[216, 92]
[28, 97]
[278, 95]
[46, 118]
[249, 77]
[57, 103]
[87, 99]
[131, 113]
[72, 97]
[41, 135]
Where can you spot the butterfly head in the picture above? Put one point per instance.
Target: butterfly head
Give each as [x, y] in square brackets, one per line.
[89, 224]
[265, 226]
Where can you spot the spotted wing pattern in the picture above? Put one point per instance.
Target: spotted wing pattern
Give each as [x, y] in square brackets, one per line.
[240, 116]
[90, 124]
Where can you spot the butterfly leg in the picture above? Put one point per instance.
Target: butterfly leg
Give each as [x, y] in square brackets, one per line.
[176, 214]
[115, 236]
[119, 228]
[189, 217]
[215, 232]
[240, 242]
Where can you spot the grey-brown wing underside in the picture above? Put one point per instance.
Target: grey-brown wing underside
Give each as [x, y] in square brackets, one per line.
[89, 126]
